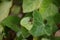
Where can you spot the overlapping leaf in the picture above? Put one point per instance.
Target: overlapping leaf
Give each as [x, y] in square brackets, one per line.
[25, 32]
[12, 22]
[25, 23]
[31, 5]
[1, 30]
[50, 10]
[39, 28]
[4, 9]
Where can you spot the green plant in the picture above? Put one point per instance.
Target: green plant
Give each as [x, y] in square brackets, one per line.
[29, 19]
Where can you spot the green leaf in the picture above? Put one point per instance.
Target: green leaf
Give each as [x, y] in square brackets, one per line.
[4, 9]
[1, 30]
[40, 28]
[50, 10]
[25, 32]
[51, 27]
[30, 5]
[25, 22]
[12, 22]
[19, 38]
[44, 5]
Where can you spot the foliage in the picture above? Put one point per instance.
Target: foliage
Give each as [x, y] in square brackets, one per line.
[34, 19]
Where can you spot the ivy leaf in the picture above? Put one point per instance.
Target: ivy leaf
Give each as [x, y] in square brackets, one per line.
[51, 27]
[44, 5]
[50, 10]
[12, 22]
[4, 9]
[31, 5]
[25, 23]
[25, 32]
[40, 28]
